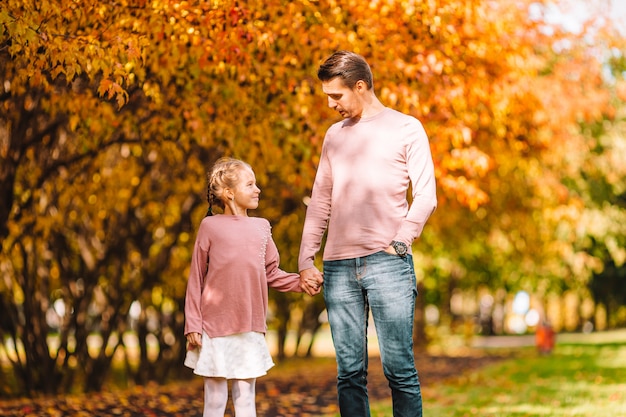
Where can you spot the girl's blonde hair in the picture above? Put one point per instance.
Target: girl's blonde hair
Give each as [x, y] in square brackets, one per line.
[224, 174]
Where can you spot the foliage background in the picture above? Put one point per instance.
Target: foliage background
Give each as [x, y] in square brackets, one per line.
[112, 111]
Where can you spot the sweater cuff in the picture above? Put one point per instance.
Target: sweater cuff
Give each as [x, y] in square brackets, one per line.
[306, 264]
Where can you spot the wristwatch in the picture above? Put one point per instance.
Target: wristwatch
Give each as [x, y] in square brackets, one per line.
[400, 247]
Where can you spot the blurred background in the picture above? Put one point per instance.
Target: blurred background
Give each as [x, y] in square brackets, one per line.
[111, 112]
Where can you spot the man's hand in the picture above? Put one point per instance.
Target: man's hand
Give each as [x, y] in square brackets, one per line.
[311, 281]
[390, 250]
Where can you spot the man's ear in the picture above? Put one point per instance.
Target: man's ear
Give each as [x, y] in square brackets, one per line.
[360, 86]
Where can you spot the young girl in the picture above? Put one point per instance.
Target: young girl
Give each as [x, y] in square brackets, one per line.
[234, 261]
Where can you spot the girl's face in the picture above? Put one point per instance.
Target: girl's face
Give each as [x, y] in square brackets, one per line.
[246, 193]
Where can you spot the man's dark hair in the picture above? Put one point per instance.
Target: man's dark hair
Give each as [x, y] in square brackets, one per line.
[348, 66]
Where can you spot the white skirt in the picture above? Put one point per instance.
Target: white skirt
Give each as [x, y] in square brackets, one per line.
[238, 356]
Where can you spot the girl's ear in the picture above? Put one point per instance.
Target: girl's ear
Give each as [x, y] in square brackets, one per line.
[228, 194]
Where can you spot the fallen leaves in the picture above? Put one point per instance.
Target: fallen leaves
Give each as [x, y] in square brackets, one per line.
[297, 388]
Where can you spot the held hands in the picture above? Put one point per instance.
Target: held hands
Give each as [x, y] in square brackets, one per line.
[311, 281]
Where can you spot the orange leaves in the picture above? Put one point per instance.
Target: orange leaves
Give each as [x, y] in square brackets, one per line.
[112, 90]
[471, 160]
[621, 90]
[66, 41]
[470, 70]
[133, 51]
[467, 192]
[471, 65]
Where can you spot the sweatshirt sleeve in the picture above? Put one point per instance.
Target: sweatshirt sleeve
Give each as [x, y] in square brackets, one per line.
[317, 213]
[422, 176]
[276, 277]
[193, 295]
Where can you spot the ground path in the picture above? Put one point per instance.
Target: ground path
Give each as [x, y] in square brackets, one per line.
[296, 388]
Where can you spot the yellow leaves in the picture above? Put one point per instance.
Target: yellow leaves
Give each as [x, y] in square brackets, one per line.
[471, 160]
[74, 120]
[620, 89]
[459, 172]
[468, 193]
[5, 19]
[240, 77]
[184, 237]
[113, 91]
[133, 52]
[265, 40]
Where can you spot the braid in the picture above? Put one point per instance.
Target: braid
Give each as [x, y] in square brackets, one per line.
[224, 174]
[208, 198]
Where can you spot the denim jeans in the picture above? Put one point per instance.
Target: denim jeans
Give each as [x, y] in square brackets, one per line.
[384, 284]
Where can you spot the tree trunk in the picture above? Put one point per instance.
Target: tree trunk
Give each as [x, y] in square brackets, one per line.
[420, 340]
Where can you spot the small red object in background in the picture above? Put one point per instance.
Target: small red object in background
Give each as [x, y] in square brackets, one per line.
[545, 338]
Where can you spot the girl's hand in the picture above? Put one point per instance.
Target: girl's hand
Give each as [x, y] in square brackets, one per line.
[194, 340]
[311, 281]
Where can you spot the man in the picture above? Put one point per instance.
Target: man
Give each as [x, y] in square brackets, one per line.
[359, 198]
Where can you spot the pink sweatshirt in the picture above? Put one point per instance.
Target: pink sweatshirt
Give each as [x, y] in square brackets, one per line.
[359, 193]
[231, 295]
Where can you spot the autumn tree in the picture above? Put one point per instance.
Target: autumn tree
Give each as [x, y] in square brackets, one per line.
[113, 111]
[599, 232]
[96, 129]
[524, 136]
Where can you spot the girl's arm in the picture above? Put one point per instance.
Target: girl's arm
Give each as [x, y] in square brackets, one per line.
[195, 282]
[276, 277]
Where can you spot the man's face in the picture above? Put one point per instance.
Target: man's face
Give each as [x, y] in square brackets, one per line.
[346, 101]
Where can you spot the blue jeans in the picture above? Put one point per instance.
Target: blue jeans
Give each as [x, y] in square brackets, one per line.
[385, 284]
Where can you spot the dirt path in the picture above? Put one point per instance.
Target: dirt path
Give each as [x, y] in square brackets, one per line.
[296, 388]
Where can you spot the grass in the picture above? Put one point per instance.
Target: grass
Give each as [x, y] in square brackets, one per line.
[585, 375]
[575, 380]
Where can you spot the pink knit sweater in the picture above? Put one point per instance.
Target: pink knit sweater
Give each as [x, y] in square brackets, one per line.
[230, 296]
[360, 189]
